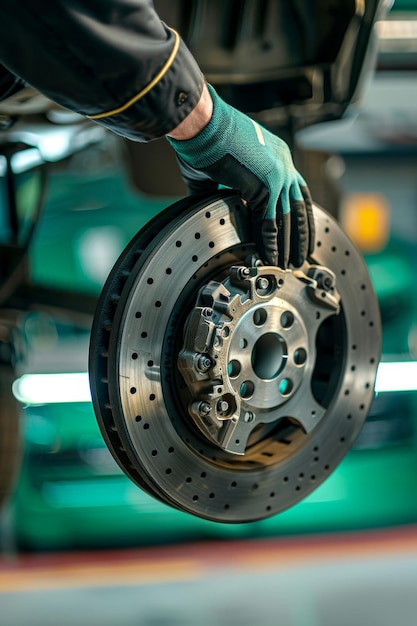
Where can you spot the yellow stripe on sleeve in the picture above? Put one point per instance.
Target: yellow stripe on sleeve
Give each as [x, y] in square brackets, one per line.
[148, 87]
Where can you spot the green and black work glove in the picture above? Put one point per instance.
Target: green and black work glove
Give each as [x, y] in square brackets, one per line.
[235, 151]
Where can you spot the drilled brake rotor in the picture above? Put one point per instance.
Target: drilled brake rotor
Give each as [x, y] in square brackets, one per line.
[222, 387]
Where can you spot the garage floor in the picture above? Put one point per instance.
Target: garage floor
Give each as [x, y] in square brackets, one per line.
[367, 578]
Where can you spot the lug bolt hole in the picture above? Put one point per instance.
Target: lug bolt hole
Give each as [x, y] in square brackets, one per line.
[259, 317]
[233, 368]
[287, 319]
[285, 387]
[300, 356]
[247, 389]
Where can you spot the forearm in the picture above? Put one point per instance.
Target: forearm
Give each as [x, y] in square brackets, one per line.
[111, 60]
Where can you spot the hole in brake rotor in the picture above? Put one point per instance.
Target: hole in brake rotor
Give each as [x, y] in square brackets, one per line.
[267, 442]
[269, 356]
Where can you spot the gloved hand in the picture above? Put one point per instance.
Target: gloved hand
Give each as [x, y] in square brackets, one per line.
[237, 152]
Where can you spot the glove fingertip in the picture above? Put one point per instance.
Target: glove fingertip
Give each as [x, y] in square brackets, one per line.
[269, 241]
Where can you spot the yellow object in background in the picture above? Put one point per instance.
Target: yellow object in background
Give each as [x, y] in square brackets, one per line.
[365, 217]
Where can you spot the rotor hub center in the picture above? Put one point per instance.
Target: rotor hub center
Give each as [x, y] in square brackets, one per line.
[249, 344]
[269, 356]
[267, 353]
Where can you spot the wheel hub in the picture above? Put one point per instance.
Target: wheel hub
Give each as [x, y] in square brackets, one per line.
[249, 348]
[224, 388]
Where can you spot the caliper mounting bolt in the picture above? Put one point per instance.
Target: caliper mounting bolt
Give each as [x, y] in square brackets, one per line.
[203, 363]
[222, 406]
[262, 283]
[244, 272]
[204, 408]
[249, 417]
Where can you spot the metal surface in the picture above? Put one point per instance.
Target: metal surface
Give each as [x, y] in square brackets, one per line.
[250, 352]
[227, 390]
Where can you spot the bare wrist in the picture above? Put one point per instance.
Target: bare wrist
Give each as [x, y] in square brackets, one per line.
[196, 120]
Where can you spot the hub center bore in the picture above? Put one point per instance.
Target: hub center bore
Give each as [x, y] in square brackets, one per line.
[262, 348]
[269, 356]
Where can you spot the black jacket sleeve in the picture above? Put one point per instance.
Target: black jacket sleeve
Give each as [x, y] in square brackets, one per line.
[111, 60]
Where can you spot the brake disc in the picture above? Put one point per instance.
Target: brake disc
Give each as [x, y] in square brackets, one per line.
[222, 387]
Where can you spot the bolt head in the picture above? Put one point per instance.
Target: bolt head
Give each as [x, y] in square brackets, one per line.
[203, 363]
[204, 408]
[262, 283]
[222, 406]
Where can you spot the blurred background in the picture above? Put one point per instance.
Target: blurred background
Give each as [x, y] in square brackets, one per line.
[78, 195]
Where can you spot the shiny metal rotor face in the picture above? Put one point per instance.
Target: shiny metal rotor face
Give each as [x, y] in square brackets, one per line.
[224, 388]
